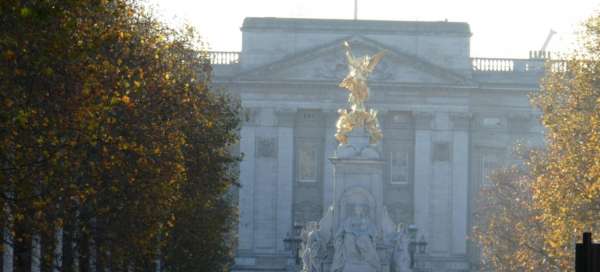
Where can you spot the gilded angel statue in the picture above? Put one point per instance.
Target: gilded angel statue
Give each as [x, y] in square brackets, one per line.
[356, 83]
[356, 80]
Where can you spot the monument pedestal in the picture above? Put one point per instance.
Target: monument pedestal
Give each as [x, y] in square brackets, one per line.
[356, 234]
[360, 219]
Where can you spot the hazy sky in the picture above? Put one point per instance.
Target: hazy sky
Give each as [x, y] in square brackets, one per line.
[501, 28]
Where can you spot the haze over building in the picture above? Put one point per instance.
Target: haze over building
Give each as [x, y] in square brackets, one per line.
[447, 120]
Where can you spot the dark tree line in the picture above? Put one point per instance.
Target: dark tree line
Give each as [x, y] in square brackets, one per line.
[114, 147]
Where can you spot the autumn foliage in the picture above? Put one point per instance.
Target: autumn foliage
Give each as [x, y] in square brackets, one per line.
[536, 216]
[507, 226]
[111, 131]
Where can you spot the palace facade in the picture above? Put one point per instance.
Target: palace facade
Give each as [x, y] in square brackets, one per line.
[447, 119]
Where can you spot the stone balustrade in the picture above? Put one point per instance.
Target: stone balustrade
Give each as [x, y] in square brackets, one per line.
[506, 65]
[494, 65]
[224, 57]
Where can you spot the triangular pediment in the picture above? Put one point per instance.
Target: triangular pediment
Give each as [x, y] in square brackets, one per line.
[328, 62]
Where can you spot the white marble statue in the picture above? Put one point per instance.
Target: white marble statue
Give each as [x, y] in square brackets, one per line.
[313, 251]
[400, 254]
[355, 247]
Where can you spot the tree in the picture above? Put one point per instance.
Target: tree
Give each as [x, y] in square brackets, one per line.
[111, 132]
[534, 218]
[567, 176]
[507, 227]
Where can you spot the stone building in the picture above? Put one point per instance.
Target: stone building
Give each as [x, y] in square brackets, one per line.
[447, 119]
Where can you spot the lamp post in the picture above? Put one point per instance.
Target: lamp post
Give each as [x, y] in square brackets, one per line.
[422, 245]
[412, 246]
[293, 241]
[415, 247]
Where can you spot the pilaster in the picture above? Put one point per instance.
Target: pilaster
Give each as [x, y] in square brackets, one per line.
[285, 173]
[460, 181]
[246, 191]
[423, 172]
[266, 181]
[331, 143]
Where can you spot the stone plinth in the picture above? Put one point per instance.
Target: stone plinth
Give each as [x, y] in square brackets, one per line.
[358, 176]
[358, 147]
[356, 234]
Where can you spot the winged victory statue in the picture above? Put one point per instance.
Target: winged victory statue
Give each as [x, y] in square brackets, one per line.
[355, 82]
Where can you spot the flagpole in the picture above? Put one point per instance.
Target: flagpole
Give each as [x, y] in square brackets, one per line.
[355, 9]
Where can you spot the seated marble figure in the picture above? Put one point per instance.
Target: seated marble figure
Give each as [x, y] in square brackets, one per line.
[355, 246]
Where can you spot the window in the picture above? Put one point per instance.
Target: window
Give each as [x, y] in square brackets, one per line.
[489, 163]
[399, 167]
[307, 161]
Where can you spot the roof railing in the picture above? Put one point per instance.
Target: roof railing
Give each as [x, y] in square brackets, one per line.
[536, 63]
[503, 65]
[224, 57]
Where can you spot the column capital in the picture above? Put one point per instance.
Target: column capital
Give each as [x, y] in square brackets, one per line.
[422, 119]
[461, 120]
[286, 117]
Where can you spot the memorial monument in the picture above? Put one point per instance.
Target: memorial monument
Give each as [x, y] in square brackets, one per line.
[356, 234]
[445, 118]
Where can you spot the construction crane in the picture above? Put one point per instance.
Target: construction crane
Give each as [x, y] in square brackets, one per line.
[548, 38]
[542, 54]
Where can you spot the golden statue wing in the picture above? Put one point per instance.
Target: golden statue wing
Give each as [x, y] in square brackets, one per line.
[375, 59]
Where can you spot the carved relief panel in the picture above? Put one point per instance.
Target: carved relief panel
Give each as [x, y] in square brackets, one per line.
[308, 157]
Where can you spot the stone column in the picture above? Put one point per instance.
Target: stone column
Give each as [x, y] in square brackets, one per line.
[330, 146]
[285, 174]
[423, 169]
[460, 181]
[246, 192]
